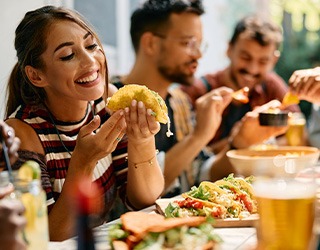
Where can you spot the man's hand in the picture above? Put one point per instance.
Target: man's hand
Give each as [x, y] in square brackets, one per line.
[209, 109]
[306, 84]
[248, 132]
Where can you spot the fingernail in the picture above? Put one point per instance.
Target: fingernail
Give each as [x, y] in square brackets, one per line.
[121, 113]
[140, 104]
[133, 103]
[126, 110]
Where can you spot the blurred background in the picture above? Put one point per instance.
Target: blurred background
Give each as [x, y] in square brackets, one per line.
[300, 20]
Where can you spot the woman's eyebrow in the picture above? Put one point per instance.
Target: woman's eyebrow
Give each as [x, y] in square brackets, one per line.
[71, 43]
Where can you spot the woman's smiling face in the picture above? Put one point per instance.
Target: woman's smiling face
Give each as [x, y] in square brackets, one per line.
[74, 64]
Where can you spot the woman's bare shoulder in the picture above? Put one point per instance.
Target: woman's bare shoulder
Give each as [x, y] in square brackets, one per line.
[29, 138]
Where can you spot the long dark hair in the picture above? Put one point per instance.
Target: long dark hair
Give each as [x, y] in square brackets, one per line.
[30, 43]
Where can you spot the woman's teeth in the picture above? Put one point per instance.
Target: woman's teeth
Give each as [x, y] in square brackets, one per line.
[89, 78]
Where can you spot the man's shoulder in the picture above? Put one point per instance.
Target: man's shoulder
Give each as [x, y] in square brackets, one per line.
[175, 91]
[213, 79]
[274, 78]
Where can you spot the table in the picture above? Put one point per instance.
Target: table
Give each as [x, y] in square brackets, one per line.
[243, 238]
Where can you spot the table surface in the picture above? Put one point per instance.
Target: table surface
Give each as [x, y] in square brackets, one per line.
[233, 238]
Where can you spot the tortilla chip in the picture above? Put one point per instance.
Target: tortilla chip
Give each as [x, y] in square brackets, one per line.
[152, 100]
[139, 223]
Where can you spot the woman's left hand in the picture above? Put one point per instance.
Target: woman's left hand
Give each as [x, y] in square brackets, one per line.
[141, 124]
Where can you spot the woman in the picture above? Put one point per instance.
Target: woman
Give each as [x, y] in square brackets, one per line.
[56, 104]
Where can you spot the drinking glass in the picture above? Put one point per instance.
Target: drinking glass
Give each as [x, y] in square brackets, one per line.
[296, 126]
[33, 197]
[286, 207]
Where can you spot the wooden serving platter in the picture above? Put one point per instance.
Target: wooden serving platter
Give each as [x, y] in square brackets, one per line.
[250, 221]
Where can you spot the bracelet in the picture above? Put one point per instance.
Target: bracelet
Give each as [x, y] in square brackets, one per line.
[148, 162]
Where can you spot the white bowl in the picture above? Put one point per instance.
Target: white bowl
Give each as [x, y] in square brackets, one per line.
[281, 161]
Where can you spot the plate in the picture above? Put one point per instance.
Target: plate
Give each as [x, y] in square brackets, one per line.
[250, 221]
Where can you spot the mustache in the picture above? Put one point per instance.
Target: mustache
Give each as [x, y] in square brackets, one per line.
[244, 71]
[193, 61]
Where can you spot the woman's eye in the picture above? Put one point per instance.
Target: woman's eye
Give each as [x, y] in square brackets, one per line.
[185, 43]
[92, 47]
[67, 58]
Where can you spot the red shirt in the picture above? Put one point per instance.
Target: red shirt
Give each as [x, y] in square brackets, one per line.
[273, 87]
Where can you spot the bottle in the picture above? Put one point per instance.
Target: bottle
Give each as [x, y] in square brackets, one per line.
[87, 204]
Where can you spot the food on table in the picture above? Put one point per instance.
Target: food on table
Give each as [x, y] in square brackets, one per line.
[241, 95]
[290, 99]
[139, 230]
[151, 99]
[231, 197]
[273, 117]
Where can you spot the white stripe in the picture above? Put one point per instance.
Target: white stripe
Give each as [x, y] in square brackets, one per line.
[50, 202]
[58, 184]
[98, 171]
[57, 156]
[120, 156]
[55, 137]
[101, 167]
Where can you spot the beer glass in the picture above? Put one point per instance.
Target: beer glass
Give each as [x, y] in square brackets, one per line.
[296, 126]
[286, 210]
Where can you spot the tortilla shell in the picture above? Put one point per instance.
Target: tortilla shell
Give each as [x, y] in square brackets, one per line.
[139, 224]
[152, 100]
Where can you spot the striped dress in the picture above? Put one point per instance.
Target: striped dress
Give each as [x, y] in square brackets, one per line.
[59, 139]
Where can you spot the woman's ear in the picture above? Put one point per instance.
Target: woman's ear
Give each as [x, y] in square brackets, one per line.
[35, 76]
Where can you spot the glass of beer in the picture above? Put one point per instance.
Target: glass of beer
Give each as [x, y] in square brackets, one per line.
[296, 126]
[286, 207]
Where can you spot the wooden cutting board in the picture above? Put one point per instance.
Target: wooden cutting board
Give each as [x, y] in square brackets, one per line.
[250, 221]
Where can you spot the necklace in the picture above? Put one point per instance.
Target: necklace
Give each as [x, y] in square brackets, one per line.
[56, 129]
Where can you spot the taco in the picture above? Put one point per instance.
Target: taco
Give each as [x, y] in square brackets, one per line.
[151, 99]
[227, 198]
[138, 230]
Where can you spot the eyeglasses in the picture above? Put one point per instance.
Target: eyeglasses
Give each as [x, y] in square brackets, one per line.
[193, 47]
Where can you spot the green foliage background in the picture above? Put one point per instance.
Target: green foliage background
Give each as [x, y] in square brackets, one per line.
[300, 20]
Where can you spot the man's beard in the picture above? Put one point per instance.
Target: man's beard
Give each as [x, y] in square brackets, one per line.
[176, 76]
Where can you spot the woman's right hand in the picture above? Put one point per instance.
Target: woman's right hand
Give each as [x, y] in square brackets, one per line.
[93, 146]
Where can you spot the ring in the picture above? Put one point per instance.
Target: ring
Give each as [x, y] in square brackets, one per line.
[118, 139]
[9, 133]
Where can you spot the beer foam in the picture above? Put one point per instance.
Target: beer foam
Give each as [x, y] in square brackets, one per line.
[284, 189]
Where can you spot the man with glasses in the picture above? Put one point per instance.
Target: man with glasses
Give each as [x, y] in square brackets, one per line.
[167, 39]
[253, 53]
